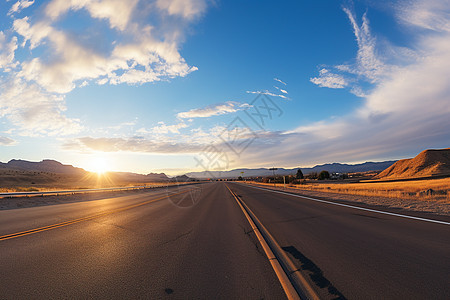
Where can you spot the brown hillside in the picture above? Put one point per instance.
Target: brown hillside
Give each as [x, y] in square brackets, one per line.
[427, 163]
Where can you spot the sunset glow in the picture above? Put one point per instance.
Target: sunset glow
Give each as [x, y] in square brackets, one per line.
[99, 165]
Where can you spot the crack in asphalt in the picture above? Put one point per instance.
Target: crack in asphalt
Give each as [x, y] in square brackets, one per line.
[177, 238]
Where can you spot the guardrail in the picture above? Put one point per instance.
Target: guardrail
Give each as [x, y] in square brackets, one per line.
[65, 192]
[31, 194]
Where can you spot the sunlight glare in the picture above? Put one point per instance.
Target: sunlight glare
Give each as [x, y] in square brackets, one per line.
[99, 165]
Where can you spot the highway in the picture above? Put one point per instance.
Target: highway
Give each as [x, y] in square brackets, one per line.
[194, 242]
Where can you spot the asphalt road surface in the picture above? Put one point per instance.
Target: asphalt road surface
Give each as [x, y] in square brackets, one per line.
[194, 242]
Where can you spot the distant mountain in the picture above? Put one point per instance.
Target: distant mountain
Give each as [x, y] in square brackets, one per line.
[53, 166]
[347, 168]
[332, 168]
[47, 165]
[427, 163]
[182, 178]
[128, 176]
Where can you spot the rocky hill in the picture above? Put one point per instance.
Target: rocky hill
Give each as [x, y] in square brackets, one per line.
[46, 165]
[428, 163]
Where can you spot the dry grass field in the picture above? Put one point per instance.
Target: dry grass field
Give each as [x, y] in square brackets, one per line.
[432, 195]
[431, 189]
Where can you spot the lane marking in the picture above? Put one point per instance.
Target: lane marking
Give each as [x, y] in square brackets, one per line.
[66, 223]
[354, 207]
[283, 278]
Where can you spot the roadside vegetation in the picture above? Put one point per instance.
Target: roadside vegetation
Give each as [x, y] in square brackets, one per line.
[431, 189]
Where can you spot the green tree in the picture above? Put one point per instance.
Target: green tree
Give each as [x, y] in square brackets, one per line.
[299, 174]
[324, 175]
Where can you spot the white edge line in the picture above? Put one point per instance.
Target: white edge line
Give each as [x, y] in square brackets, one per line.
[355, 207]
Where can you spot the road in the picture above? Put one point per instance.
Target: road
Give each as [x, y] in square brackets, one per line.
[194, 242]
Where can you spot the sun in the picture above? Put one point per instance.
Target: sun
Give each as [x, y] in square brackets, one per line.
[99, 165]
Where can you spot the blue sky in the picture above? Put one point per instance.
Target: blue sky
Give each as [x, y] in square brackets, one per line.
[181, 85]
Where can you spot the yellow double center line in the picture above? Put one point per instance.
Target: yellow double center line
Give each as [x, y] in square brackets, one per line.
[53, 226]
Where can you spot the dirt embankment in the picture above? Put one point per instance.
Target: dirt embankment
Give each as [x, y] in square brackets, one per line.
[428, 163]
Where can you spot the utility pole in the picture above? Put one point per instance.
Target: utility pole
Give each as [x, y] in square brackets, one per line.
[273, 171]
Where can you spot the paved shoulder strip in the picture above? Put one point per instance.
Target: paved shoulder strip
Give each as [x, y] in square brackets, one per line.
[351, 206]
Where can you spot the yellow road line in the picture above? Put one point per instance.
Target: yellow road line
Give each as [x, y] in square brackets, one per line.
[53, 226]
[288, 288]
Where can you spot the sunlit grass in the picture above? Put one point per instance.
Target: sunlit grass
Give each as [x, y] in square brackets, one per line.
[433, 189]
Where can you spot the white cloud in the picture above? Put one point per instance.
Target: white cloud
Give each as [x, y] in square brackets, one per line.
[35, 111]
[117, 12]
[132, 144]
[143, 59]
[19, 5]
[6, 141]
[213, 110]
[368, 65]
[279, 80]
[368, 62]
[266, 92]
[329, 80]
[7, 50]
[281, 90]
[430, 14]
[187, 9]
[162, 128]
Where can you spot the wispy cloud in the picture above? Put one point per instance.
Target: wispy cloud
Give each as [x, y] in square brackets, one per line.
[6, 141]
[19, 5]
[281, 90]
[280, 81]
[7, 49]
[329, 80]
[266, 92]
[428, 15]
[162, 128]
[34, 110]
[213, 110]
[187, 9]
[132, 144]
[368, 62]
[368, 66]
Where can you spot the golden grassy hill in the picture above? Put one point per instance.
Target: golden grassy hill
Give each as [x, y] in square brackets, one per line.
[428, 163]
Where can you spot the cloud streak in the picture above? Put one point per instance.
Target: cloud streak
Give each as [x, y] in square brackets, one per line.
[329, 80]
[19, 5]
[368, 66]
[213, 110]
[132, 144]
[6, 141]
[280, 81]
[266, 92]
